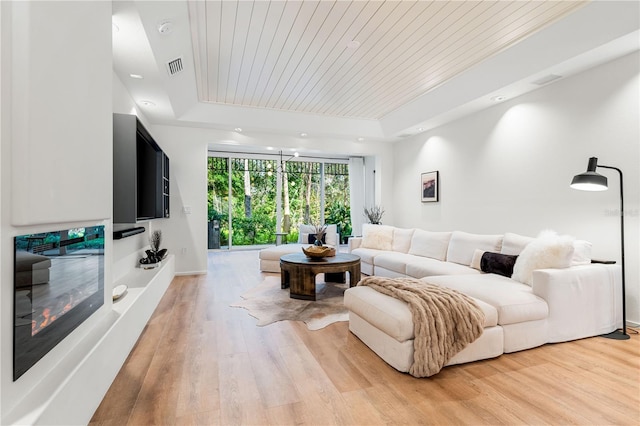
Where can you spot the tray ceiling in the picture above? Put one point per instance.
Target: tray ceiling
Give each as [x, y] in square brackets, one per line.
[358, 59]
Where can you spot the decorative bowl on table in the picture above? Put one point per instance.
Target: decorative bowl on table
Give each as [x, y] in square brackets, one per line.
[318, 252]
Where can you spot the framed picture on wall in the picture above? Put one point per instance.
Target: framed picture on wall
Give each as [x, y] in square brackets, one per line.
[430, 187]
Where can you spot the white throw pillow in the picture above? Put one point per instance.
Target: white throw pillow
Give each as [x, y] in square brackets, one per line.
[402, 239]
[379, 237]
[581, 253]
[331, 234]
[549, 250]
[463, 245]
[477, 259]
[514, 244]
[303, 233]
[430, 244]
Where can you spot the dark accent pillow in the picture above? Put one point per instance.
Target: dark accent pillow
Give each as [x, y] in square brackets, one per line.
[497, 263]
[312, 239]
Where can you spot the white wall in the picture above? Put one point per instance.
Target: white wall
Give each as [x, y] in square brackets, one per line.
[185, 233]
[508, 168]
[44, 66]
[56, 166]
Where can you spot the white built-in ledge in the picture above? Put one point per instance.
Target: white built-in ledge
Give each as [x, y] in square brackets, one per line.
[138, 281]
[76, 400]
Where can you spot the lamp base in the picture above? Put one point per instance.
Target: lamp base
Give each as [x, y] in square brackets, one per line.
[616, 335]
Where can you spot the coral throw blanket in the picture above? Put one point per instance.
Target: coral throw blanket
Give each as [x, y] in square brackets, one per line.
[444, 320]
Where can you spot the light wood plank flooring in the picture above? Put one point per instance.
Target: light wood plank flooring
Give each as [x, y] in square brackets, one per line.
[201, 362]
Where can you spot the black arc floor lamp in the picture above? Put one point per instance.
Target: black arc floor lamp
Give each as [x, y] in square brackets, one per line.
[593, 181]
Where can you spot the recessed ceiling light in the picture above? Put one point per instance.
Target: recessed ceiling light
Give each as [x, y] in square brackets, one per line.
[295, 154]
[304, 135]
[498, 98]
[421, 129]
[238, 129]
[138, 76]
[353, 44]
[165, 27]
[269, 148]
[147, 103]
[360, 139]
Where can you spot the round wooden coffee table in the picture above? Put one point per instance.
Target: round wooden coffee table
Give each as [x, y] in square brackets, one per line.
[298, 272]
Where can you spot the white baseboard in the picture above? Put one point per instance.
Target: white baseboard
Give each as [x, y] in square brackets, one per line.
[191, 273]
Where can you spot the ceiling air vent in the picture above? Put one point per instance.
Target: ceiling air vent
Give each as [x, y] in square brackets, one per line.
[175, 66]
[546, 79]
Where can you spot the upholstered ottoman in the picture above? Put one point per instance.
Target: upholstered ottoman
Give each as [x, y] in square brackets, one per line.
[31, 269]
[270, 257]
[385, 325]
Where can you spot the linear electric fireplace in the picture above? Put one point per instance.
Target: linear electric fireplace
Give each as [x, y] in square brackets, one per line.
[58, 283]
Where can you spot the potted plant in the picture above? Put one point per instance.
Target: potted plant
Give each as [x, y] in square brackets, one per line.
[154, 254]
[320, 231]
[213, 227]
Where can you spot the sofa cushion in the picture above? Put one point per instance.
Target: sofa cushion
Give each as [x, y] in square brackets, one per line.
[383, 312]
[430, 244]
[392, 261]
[462, 245]
[549, 250]
[379, 237]
[402, 240]
[514, 301]
[393, 316]
[419, 267]
[477, 259]
[514, 243]
[366, 254]
[275, 252]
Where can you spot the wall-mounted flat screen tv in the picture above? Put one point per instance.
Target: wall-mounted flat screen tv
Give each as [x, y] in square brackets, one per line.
[58, 284]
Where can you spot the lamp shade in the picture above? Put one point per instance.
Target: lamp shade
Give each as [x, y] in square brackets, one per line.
[590, 180]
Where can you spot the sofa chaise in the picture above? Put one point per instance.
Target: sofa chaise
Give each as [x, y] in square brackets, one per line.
[556, 293]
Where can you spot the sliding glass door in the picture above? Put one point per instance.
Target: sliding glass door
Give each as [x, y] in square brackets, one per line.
[253, 219]
[218, 203]
[260, 200]
[301, 183]
[336, 197]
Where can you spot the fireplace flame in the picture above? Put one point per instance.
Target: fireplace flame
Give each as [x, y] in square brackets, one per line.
[58, 307]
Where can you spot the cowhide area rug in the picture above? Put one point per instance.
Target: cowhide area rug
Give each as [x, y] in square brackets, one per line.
[269, 303]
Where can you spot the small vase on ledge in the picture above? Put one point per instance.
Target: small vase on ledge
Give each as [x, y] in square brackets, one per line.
[154, 254]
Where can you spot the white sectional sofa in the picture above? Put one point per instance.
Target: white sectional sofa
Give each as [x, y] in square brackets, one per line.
[556, 294]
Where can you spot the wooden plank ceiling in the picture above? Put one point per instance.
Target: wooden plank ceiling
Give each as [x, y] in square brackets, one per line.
[298, 55]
